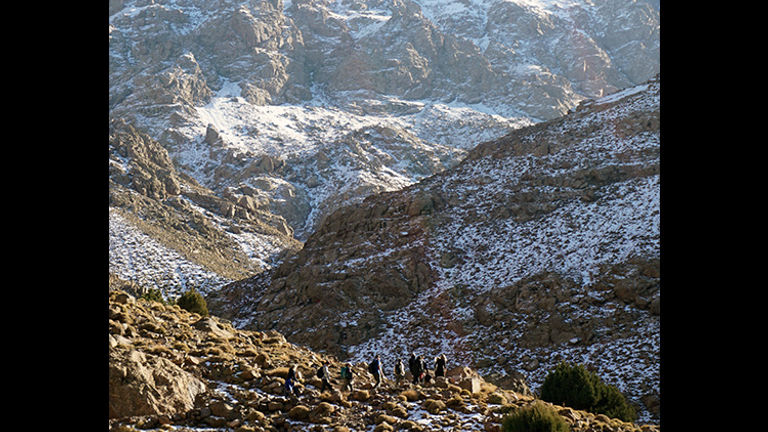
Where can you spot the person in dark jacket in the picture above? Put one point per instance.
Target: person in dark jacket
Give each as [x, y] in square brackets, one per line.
[376, 369]
[421, 367]
[413, 367]
[425, 377]
[440, 366]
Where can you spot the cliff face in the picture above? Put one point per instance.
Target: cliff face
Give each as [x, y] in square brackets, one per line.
[540, 246]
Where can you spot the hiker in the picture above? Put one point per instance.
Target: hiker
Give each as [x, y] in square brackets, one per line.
[440, 366]
[323, 374]
[413, 366]
[375, 369]
[424, 375]
[399, 371]
[290, 386]
[346, 377]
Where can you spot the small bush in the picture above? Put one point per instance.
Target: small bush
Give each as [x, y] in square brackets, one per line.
[153, 294]
[571, 386]
[536, 417]
[613, 404]
[576, 387]
[193, 301]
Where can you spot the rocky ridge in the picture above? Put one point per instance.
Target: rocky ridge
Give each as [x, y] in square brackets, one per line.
[171, 369]
[538, 247]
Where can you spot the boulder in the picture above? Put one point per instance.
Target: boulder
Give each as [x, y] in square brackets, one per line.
[299, 412]
[360, 395]
[144, 384]
[223, 409]
[496, 398]
[383, 427]
[384, 418]
[411, 395]
[210, 325]
[322, 413]
[471, 384]
[433, 406]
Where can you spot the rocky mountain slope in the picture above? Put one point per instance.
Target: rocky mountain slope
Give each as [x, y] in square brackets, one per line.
[293, 109]
[162, 223]
[538, 247]
[174, 370]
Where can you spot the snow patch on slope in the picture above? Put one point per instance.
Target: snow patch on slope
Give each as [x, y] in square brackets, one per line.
[138, 257]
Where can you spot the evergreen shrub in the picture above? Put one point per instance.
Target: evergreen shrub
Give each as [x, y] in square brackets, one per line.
[193, 301]
[153, 294]
[536, 417]
[576, 387]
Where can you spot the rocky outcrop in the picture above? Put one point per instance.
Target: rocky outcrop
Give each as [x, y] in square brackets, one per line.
[149, 196]
[142, 384]
[172, 369]
[140, 163]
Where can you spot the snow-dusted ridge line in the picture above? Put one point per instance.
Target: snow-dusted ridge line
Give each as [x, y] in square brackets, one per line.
[301, 130]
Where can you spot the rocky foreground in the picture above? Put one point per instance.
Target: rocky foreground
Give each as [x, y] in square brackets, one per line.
[174, 370]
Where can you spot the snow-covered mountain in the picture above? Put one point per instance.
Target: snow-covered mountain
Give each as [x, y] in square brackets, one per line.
[468, 176]
[294, 109]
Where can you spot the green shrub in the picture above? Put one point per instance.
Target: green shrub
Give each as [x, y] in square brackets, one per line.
[536, 417]
[613, 404]
[193, 301]
[571, 386]
[153, 294]
[576, 387]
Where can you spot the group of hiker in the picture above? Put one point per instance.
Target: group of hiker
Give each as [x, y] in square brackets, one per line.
[417, 366]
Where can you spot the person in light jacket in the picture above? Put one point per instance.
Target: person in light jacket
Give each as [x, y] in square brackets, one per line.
[325, 376]
[399, 371]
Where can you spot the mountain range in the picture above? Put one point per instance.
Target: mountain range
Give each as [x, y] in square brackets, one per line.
[288, 111]
[478, 178]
